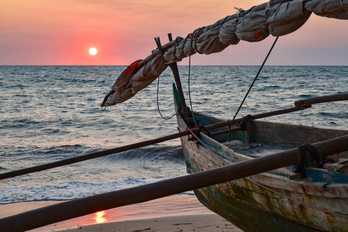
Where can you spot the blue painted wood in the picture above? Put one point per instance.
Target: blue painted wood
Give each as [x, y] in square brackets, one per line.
[324, 176]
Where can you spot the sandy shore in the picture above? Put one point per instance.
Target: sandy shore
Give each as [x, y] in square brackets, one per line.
[174, 213]
[198, 222]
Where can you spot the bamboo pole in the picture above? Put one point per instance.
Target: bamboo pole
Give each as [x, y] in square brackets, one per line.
[60, 163]
[316, 100]
[90, 156]
[63, 211]
[134, 146]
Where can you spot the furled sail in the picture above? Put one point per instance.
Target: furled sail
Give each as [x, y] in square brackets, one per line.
[276, 17]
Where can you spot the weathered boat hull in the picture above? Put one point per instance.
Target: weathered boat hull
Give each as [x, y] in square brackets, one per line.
[268, 201]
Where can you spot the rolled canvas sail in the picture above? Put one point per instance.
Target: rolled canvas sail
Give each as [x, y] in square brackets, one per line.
[276, 17]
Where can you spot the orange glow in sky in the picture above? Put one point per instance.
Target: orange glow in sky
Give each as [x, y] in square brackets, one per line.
[59, 33]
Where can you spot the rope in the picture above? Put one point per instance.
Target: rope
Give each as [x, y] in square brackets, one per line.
[197, 138]
[158, 108]
[222, 24]
[195, 36]
[189, 90]
[257, 75]
[313, 156]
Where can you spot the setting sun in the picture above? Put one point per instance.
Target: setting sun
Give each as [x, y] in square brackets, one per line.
[93, 51]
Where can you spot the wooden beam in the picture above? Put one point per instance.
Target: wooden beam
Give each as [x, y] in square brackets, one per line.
[175, 70]
[159, 140]
[316, 100]
[67, 210]
[132, 146]
[162, 139]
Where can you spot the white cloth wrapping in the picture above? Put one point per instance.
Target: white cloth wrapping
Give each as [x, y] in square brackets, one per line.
[227, 31]
[329, 8]
[252, 27]
[276, 17]
[287, 17]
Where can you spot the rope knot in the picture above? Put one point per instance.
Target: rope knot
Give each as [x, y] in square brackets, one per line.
[247, 119]
[310, 157]
[194, 136]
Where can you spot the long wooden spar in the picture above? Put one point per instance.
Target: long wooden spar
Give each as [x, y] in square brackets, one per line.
[305, 104]
[75, 208]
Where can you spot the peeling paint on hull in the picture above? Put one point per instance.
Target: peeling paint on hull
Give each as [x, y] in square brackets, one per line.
[268, 201]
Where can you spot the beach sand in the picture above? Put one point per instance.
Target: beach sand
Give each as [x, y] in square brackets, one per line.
[199, 222]
[174, 213]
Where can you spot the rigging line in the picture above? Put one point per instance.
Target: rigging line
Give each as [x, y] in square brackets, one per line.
[246, 95]
[158, 108]
[189, 90]
[196, 137]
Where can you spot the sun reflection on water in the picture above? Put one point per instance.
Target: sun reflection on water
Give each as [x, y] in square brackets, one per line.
[99, 217]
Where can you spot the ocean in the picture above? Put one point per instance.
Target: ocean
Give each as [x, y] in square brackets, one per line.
[50, 113]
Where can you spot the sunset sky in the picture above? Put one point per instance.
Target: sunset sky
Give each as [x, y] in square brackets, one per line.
[39, 32]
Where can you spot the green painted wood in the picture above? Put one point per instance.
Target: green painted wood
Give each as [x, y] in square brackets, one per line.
[245, 216]
[238, 200]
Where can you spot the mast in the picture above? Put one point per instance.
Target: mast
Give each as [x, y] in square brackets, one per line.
[174, 67]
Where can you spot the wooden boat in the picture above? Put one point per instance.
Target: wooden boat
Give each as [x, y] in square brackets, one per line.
[311, 198]
[274, 201]
[279, 200]
[260, 194]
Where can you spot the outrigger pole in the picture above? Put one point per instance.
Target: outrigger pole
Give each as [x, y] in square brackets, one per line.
[299, 105]
[75, 208]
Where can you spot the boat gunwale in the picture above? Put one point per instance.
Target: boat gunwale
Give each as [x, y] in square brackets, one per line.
[281, 174]
[300, 194]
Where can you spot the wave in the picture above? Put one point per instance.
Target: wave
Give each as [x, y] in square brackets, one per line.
[152, 152]
[69, 190]
[105, 174]
[342, 115]
[52, 113]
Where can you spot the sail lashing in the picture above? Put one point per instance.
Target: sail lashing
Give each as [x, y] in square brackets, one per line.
[276, 17]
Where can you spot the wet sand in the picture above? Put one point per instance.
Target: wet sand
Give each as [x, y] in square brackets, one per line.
[174, 213]
[198, 222]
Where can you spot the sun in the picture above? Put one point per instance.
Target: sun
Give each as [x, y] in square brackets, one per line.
[93, 51]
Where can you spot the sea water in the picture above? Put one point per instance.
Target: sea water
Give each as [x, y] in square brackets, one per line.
[50, 113]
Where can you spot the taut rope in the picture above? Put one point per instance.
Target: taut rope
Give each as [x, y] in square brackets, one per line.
[257, 75]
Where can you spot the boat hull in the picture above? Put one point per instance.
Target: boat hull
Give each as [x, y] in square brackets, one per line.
[267, 201]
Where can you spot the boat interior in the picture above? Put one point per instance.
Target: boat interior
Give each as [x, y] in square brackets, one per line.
[253, 138]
